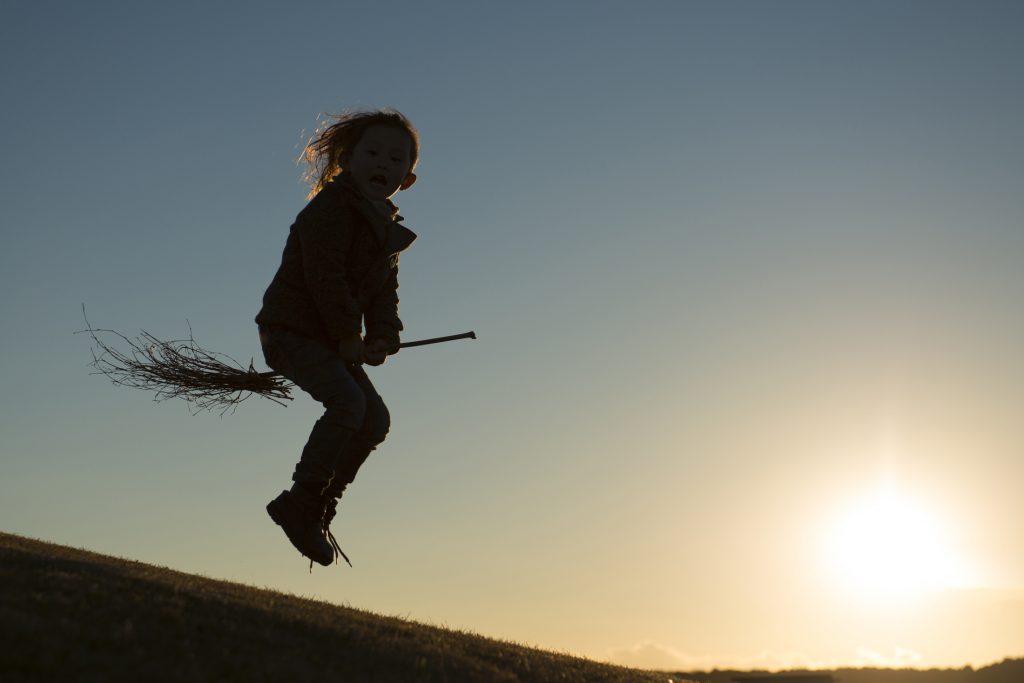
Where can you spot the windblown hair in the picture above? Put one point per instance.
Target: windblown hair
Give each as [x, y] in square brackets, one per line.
[340, 133]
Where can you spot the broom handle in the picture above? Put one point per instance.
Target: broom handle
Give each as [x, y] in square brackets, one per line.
[438, 340]
[420, 342]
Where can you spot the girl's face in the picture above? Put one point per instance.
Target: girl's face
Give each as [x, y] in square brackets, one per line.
[379, 163]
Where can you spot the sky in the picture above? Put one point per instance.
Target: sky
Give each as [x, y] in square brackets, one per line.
[746, 279]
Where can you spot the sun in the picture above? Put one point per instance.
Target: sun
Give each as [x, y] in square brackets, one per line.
[889, 546]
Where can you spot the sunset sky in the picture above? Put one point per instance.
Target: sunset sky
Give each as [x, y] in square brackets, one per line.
[747, 279]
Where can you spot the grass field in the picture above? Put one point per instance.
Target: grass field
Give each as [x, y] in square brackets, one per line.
[72, 615]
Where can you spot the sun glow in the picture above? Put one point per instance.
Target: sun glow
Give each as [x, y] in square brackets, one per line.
[889, 546]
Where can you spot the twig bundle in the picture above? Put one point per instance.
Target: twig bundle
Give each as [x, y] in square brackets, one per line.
[181, 369]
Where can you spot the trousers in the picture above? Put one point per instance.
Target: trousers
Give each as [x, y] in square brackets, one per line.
[355, 420]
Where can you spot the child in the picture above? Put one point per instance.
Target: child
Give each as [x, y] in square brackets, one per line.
[338, 273]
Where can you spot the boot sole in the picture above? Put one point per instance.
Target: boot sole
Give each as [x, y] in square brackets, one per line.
[279, 515]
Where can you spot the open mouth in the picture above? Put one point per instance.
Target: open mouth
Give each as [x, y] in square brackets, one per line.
[379, 180]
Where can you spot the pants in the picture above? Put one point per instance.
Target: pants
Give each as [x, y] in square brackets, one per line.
[355, 419]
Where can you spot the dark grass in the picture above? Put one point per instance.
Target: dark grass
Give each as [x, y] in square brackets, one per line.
[73, 615]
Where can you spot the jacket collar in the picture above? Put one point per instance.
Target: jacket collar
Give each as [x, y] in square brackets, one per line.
[387, 230]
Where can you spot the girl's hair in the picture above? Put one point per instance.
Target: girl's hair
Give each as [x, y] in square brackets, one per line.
[340, 133]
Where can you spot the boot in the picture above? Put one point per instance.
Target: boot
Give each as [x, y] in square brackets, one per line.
[300, 514]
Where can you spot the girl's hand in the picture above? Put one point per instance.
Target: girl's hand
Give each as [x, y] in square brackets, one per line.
[376, 353]
[351, 349]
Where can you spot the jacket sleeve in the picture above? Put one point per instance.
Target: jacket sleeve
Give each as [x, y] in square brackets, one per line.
[382, 321]
[325, 229]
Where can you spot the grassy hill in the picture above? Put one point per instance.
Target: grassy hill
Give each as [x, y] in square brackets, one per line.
[73, 615]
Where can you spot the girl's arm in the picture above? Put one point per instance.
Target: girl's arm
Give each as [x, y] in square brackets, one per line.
[382, 321]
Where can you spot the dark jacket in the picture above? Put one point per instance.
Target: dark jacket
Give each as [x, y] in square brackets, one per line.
[339, 267]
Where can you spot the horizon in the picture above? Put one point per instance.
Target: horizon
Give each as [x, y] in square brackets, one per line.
[745, 278]
[355, 641]
[709, 671]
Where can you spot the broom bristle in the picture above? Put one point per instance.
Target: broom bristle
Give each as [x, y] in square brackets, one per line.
[180, 368]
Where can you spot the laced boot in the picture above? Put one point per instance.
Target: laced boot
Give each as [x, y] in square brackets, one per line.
[300, 513]
[330, 511]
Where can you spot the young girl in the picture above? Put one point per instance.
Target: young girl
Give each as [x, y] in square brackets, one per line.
[339, 276]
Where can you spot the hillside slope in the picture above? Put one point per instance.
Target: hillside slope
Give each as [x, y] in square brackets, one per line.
[73, 615]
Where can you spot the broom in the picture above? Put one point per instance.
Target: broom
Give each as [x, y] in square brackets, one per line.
[180, 368]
